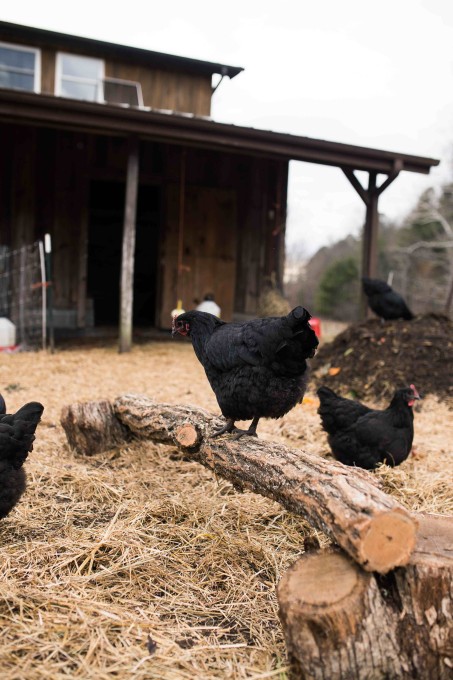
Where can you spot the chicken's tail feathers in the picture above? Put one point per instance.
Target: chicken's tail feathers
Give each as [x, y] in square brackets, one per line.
[30, 413]
[298, 316]
[2, 406]
[27, 419]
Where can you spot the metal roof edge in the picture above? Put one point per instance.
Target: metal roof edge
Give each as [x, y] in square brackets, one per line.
[162, 59]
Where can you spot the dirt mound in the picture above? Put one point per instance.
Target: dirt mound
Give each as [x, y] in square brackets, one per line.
[372, 359]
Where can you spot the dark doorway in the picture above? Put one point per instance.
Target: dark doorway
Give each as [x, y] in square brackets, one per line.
[104, 251]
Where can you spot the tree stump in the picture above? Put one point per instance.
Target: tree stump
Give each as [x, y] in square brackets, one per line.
[342, 623]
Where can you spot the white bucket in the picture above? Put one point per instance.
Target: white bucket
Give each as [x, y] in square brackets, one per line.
[7, 333]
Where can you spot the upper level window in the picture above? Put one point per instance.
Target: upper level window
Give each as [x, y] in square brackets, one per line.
[19, 67]
[79, 77]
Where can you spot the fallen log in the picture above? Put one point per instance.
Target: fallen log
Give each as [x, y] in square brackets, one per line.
[92, 427]
[342, 623]
[346, 503]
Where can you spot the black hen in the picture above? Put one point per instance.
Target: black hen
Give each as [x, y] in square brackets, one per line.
[365, 437]
[384, 301]
[258, 368]
[17, 434]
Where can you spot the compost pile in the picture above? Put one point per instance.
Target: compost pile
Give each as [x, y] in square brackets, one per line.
[374, 358]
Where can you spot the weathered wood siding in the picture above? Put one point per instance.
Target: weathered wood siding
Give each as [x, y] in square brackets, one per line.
[233, 226]
[166, 89]
[71, 204]
[48, 64]
[161, 89]
[209, 236]
[176, 90]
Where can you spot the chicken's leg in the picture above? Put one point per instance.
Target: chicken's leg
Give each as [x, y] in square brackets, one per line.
[230, 428]
[251, 432]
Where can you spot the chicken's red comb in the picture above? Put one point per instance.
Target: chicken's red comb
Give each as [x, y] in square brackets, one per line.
[414, 390]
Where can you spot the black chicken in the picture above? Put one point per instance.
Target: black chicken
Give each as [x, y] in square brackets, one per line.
[17, 434]
[384, 301]
[258, 368]
[365, 437]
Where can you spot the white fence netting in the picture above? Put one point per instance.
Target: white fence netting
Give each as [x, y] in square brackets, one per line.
[23, 293]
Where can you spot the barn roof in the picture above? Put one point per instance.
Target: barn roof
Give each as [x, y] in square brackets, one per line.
[40, 37]
[157, 125]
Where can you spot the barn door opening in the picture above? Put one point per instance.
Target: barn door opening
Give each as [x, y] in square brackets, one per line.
[106, 215]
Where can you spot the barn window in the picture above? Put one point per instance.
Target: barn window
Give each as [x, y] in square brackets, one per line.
[79, 77]
[119, 91]
[19, 67]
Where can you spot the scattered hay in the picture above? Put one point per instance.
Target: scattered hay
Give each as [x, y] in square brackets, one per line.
[138, 563]
[372, 359]
[271, 302]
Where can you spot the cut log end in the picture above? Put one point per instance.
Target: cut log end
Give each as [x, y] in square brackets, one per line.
[92, 427]
[188, 436]
[310, 582]
[341, 622]
[389, 541]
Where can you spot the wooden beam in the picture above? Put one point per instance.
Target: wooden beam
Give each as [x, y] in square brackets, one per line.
[52, 111]
[356, 184]
[398, 165]
[128, 250]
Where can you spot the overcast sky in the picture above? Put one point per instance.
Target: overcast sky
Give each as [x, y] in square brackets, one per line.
[371, 74]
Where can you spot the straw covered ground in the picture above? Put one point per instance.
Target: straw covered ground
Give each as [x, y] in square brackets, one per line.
[139, 564]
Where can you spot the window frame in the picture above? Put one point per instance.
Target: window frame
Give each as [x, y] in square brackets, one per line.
[37, 70]
[78, 79]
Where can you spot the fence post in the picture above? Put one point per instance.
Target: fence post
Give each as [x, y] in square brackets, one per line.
[48, 251]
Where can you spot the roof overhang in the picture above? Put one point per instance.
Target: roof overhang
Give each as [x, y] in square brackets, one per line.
[35, 109]
[39, 37]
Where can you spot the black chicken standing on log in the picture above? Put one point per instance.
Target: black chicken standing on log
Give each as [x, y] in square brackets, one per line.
[257, 369]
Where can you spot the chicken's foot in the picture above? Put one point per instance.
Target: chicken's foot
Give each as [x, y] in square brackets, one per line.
[229, 428]
[251, 432]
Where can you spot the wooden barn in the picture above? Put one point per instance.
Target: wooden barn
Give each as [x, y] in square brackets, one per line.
[111, 150]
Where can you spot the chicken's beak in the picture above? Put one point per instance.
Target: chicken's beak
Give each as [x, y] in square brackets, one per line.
[415, 395]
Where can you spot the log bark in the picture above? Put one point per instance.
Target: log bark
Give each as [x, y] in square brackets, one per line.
[342, 623]
[92, 427]
[345, 503]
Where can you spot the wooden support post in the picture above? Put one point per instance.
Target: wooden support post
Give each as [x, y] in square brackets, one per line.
[370, 197]
[128, 249]
[82, 196]
[369, 239]
[369, 247]
[345, 503]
